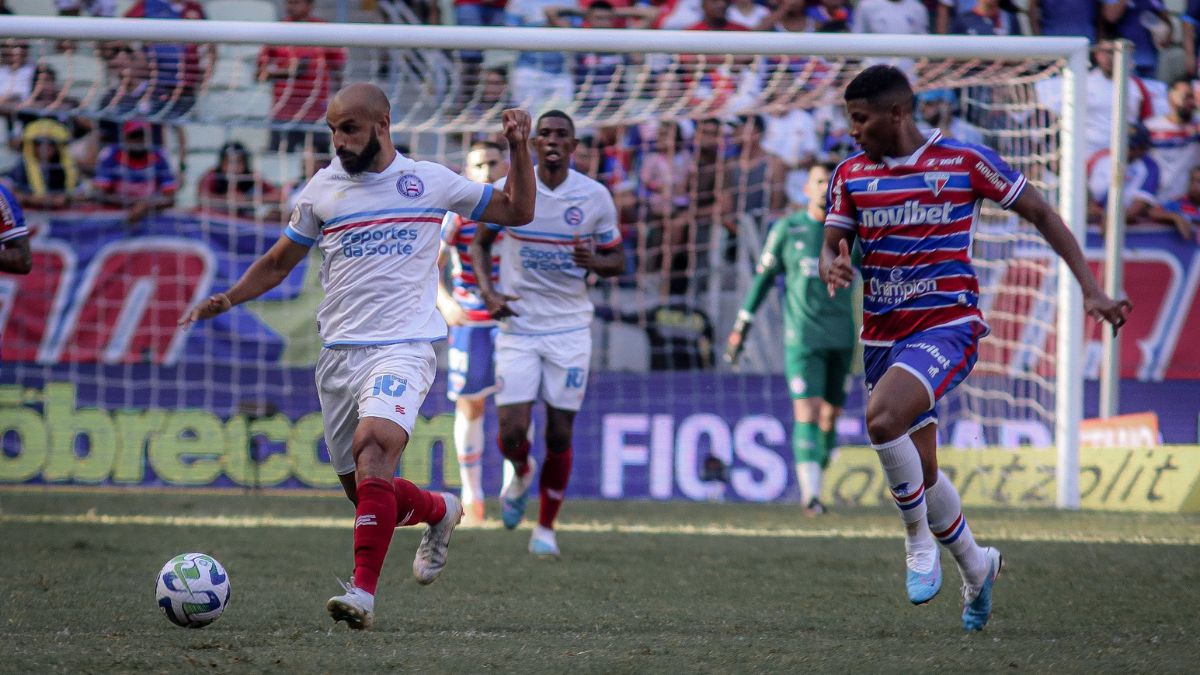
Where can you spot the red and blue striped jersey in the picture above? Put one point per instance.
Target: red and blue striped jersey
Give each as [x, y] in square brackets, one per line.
[12, 218]
[457, 235]
[915, 218]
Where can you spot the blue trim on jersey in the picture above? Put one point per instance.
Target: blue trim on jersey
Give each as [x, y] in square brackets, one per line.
[484, 200]
[895, 244]
[554, 332]
[920, 272]
[344, 344]
[955, 181]
[934, 300]
[526, 233]
[382, 212]
[297, 237]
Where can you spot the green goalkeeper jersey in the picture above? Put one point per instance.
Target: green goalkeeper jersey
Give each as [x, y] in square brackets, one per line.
[812, 319]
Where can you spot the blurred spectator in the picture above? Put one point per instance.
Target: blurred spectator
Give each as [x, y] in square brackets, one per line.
[937, 109]
[476, 13]
[678, 14]
[16, 72]
[984, 18]
[1190, 19]
[176, 71]
[1099, 88]
[941, 14]
[493, 91]
[662, 193]
[691, 235]
[4, 10]
[827, 16]
[86, 7]
[714, 16]
[1175, 140]
[789, 16]
[753, 181]
[134, 174]
[1141, 179]
[601, 156]
[747, 13]
[903, 17]
[1064, 17]
[233, 188]
[538, 78]
[1145, 24]
[1183, 213]
[599, 74]
[303, 79]
[46, 177]
[792, 142]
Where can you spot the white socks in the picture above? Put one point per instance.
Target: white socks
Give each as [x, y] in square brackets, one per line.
[808, 476]
[468, 444]
[902, 467]
[947, 523]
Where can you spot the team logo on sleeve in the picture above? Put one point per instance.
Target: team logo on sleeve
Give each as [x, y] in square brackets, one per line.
[936, 181]
[410, 185]
[573, 216]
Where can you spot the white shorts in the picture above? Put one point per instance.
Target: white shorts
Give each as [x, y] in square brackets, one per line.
[551, 367]
[388, 381]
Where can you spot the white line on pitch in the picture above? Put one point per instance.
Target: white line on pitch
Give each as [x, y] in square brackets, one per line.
[328, 523]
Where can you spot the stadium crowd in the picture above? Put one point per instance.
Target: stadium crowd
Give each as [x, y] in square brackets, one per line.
[138, 135]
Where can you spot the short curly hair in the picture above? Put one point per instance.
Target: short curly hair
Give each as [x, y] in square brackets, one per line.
[878, 83]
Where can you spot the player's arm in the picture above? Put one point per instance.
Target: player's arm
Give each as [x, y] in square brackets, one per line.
[264, 274]
[514, 204]
[451, 311]
[1033, 207]
[606, 262]
[764, 278]
[481, 259]
[836, 266]
[16, 257]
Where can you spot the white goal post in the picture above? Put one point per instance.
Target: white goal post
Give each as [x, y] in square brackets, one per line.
[956, 60]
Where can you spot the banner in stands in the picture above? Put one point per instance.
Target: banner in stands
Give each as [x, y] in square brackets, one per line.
[99, 386]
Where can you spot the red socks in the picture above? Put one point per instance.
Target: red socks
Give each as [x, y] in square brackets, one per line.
[519, 457]
[555, 474]
[375, 518]
[414, 505]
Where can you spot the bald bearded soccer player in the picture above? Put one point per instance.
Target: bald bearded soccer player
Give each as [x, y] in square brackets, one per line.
[375, 214]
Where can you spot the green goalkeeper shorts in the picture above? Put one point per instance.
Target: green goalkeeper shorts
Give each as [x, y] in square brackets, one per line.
[819, 373]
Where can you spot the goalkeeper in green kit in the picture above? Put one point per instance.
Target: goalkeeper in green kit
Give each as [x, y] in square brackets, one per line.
[818, 333]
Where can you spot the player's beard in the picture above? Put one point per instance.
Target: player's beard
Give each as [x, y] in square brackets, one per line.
[357, 162]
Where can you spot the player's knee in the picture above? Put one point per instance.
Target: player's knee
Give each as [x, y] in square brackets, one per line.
[884, 424]
[512, 437]
[558, 440]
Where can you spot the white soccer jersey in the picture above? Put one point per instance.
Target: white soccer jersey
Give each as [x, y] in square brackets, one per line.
[536, 260]
[379, 236]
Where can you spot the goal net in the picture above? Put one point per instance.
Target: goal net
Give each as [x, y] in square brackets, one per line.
[155, 172]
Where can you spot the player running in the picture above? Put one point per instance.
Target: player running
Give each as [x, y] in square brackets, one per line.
[471, 374]
[545, 343]
[911, 201]
[374, 214]
[818, 334]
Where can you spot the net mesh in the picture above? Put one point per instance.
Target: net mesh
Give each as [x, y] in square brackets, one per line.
[700, 152]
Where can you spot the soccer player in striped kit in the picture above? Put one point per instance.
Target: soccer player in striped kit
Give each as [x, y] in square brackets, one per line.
[471, 376]
[545, 344]
[911, 200]
[376, 215]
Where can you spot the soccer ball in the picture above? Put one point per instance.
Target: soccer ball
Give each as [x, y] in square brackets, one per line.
[192, 590]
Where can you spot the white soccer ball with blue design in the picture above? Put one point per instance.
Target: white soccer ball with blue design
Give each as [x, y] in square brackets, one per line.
[192, 590]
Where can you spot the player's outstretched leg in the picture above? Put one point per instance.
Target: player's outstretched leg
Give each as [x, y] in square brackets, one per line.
[375, 518]
[902, 467]
[552, 487]
[468, 445]
[977, 594]
[520, 468]
[441, 512]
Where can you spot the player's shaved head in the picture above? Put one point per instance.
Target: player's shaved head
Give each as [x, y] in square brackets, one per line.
[882, 86]
[362, 98]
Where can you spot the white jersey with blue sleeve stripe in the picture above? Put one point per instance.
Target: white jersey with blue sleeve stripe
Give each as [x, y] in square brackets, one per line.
[537, 260]
[379, 235]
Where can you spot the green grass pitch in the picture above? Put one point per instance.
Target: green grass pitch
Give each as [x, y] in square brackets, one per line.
[641, 588]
